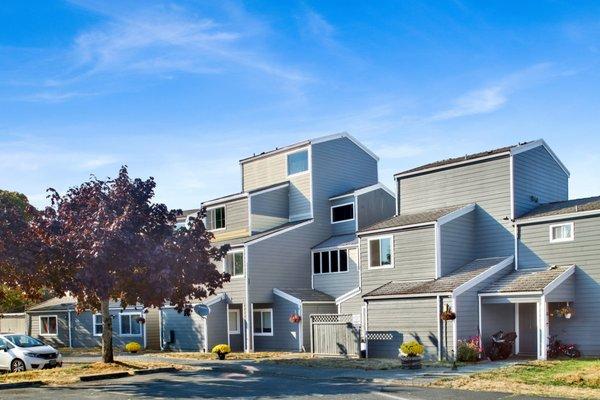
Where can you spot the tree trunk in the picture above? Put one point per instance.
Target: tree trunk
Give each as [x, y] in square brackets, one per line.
[107, 344]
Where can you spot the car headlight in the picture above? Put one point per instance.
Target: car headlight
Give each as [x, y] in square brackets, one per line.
[28, 354]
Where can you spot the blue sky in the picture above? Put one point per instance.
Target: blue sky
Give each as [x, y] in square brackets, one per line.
[182, 90]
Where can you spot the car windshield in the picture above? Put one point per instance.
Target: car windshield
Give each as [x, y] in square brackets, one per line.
[24, 341]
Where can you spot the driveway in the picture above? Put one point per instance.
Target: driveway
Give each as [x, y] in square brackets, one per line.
[222, 384]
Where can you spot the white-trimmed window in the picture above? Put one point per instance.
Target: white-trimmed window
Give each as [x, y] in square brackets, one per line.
[297, 162]
[48, 325]
[97, 324]
[562, 232]
[129, 325]
[234, 322]
[215, 218]
[234, 263]
[332, 261]
[380, 252]
[263, 322]
[342, 213]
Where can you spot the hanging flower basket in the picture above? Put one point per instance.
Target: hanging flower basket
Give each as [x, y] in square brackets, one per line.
[565, 311]
[295, 318]
[448, 314]
[141, 320]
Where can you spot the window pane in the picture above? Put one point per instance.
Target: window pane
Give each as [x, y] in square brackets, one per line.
[219, 218]
[334, 261]
[325, 262]
[238, 264]
[342, 213]
[44, 324]
[233, 321]
[386, 252]
[343, 260]
[266, 320]
[297, 162]
[136, 327]
[257, 322]
[125, 325]
[374, 253]
[567, 231]
[210, 219]
[317, 263]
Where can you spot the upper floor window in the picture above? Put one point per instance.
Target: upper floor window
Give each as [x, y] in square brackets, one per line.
[297, 162]
[326, 262]
[341, 213]
[234, 263]
[215, 218]
[380, 252]
[562, 232]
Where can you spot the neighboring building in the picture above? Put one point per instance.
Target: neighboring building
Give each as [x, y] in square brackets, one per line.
[296, 203]
[56, 322]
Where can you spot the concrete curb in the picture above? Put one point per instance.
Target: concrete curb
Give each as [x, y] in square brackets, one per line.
[17, 385]
[110, 375]
[154, 370]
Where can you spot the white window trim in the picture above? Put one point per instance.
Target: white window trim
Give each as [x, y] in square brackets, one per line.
[226, 266]
[369, 240]
[312, 261]
[570, 239]
[224, 207]
[342, 205]
[121, 326]
[261, 310]
[287, 170]
[237, 317]
[94, 324]
[40, 322]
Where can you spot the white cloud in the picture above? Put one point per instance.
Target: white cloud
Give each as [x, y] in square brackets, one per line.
[98, 161]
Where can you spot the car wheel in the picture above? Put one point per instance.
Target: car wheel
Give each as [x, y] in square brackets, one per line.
[17, 366]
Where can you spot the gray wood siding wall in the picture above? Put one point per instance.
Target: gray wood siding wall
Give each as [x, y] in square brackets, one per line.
[536, 173]
[392, 322]
[458, 242]
[375, 206]
[352, 306]
[83, 331]
[414, 258]
[236, 217]
[496, 317]
[336, 284]
[236, 340]
[269, 209]
[285, 334]
[300, 196]
[535, 250]
[485, 183]
[62, 337]
[189, 331]
[216, 325]
[346, 227]
[235, 288]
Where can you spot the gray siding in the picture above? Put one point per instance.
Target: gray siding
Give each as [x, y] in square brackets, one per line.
[537, 174]
[457, 242]
[485, 183]
[300, 196]
[353, 306]
[285, 333]
[535, 250]
[307, 311]
[342, 228]
[339, 283]
[392, 322]
[235, 288]
[236, 340]
[236, 220]
[62, 337]
[414, 258]
[189, 331]
[374, 206]
[83, 331]
[447, 331]
[496, 317]
[269, 209]
[216, 325]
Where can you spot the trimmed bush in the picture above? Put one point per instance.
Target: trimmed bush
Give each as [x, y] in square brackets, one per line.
[221, 350]
[467, 351]
[133, 347]
[412, 349]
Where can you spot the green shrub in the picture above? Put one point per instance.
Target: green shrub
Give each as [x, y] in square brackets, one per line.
[467, 351]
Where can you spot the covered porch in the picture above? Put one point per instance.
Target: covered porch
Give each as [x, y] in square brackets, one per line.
[525, 302]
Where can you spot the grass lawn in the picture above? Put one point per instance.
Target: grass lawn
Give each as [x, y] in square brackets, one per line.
[70, 373]
[577, 379]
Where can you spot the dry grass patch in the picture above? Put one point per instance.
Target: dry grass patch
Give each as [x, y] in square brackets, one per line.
[234, 356]
[577, 379]
[70, 373]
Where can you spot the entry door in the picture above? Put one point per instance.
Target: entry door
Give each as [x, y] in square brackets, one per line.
[527, 329]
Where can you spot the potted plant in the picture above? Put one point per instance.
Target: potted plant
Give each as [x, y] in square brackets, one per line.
[448, 314]
[140, 320]
[221, 350]
[565, 311]
[133, 347]
[295, 318]
[411, 355]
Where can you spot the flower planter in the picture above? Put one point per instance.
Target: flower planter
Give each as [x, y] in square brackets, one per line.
[221, 356]
[411, 362]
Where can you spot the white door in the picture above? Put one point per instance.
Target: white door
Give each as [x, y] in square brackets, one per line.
[5, 357]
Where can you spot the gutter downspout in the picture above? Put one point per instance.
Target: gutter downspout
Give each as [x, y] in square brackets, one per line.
[70, 329]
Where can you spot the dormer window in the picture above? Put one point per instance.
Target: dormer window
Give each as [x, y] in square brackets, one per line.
[297, 162]
[562, 232]
[342, 212]
[215, 218]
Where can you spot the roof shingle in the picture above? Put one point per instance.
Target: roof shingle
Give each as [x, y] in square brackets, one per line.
[412, 218]
[338, 241]
[523, 280]
[564, 207]
[307, 294]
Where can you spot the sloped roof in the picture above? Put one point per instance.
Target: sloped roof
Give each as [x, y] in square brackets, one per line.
[68, 303]
[338, 241]
[248, 239]
[307, 294]
[526, 280]
[445, 284]
[412, 218]
[564, 207]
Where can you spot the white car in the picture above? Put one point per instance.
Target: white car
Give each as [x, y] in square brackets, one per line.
[22, 353]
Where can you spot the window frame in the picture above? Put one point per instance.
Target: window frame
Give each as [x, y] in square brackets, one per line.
[351, 203]
[287, 163]
[369, 240]
[48, 316]
[261, 311]
[339, 257]
[130, 314]
[212, 209]
[226, 264]
[95, 325]
[237, 318]
[561, 240]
